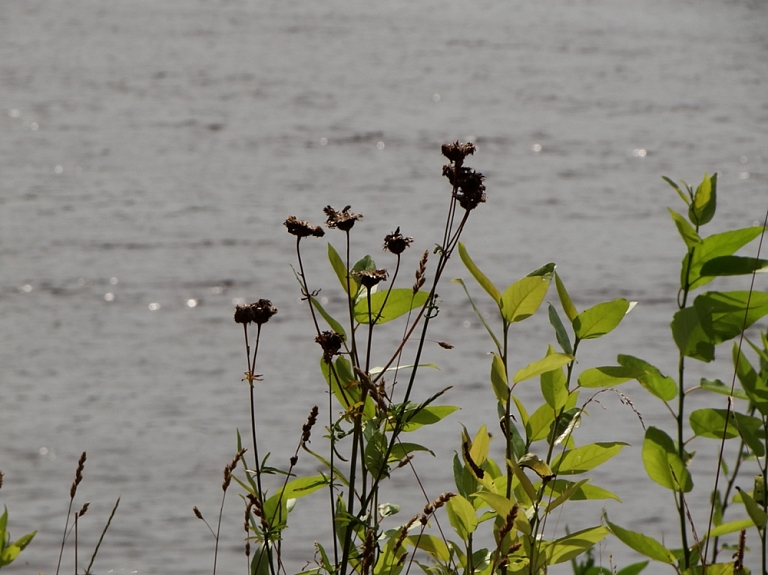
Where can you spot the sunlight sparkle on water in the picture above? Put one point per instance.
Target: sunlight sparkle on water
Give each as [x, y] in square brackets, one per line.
[435, 97]
[466, 323]
[14, 113]
[109, 296]
[26, 288]
[744, 176]
[380, 145]
[536, 147]
[58, 169]
[323, 141]
[34, 126]
[154, 306]
[191, 303]
[639, 153]
[217, 290]
[113, 281]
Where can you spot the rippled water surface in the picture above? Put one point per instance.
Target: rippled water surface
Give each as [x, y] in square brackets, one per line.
[149, 152]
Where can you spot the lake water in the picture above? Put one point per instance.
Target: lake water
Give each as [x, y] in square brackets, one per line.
[150, 151]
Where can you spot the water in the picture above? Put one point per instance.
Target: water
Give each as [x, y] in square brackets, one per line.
[150, 152]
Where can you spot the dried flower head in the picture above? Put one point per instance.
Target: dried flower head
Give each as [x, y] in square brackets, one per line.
[258, 312]
[396, 242]
[343, 220]
[370, 278]
[456, 152]
[262, 310]
[302, 229]
[331, 343]
[470, 190]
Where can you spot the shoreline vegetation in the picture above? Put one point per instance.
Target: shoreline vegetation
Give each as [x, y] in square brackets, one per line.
[512, 474]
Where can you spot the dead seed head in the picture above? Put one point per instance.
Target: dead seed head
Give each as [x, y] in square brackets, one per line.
[1, 479]
[302, 229]
[306, 431]
[258, 312]
[331, 343]
[456, 152]
[343, 220]
[470, 190]
[84, 509]
[421, 272]
[370, 278]
[78, 476]
[197, 513]
[396, 242]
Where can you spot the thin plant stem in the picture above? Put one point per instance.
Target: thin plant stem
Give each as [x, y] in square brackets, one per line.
[101, 537]
[730, 405]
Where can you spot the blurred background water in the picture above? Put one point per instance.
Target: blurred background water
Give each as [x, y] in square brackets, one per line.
[149, 152]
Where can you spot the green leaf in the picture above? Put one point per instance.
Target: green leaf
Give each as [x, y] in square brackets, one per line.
[342, 382]
[499, 379]
[733, 266]
[554, 386]
[677, 189]
[652, 379]
[584, 492]
[461, 514]
[600, 319]
[608, 376]
[426, 416]
[714, 246]
[730, 312]
[584, 458]
[755, 511]
[755, 387]
[433, 546]
[565, 300]
[574, 544]
[691, 336]
[689, 235]
[633, 569]
[399, 302]
[719, 387]
[662, 462]
[521, 300]
[560, 332]
[710, 423]
[481, 278]
[643, 544]
[547, 363]
[538, 425]
[334, 325]
[702, 210]
[536, 464]
[341, 271]
[731, 527]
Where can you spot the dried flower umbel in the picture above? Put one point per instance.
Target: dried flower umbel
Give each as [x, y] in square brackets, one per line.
[456, 152]
[258, 312]
[370, 278]
[343, 220]
[396, 242]
[470, 191]
[302, 229]
[331, 343]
